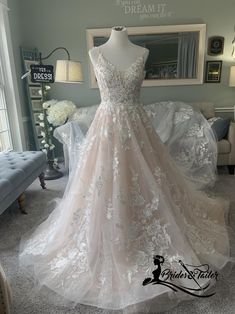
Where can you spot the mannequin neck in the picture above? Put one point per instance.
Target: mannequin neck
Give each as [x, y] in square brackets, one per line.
[118, 37]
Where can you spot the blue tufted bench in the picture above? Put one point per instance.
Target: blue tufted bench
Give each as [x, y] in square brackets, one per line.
[17, 171]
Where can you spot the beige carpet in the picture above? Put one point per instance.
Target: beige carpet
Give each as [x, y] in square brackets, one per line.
[26, 301]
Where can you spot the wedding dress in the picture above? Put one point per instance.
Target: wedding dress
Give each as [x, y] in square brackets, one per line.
[183, 129]
[126, 201]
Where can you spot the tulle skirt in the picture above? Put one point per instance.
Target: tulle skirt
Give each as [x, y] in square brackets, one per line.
[183, 129]
[128, 216]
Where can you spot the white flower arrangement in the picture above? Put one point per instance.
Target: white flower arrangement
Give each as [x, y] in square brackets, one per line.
[49, 103]
[54, 113]
[46, 128]
[41, 116]
[59, 112]
[47, 88]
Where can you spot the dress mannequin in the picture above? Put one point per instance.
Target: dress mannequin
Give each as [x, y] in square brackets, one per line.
[119, 50]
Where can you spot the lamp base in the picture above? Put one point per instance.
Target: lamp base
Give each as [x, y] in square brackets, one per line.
[50, 173]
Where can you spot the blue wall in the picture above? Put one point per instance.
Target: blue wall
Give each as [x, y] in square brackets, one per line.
[47, 24]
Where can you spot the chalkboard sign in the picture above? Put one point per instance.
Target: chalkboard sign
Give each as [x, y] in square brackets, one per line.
[42, 73]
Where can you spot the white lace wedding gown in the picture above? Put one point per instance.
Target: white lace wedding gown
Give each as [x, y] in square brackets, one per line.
[125, 202]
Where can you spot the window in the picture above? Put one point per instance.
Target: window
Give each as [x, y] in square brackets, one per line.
[11, 127]
[5, 135]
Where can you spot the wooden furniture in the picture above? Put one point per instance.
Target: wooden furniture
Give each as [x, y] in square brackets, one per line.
[34, 96]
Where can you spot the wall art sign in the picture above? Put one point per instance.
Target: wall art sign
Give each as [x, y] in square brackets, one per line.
[42, 73]
[145, 9]
[215, 46]
[213, 71]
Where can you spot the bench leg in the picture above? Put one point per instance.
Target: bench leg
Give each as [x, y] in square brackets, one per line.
[231, 169]
[42, 181]
[21, 200]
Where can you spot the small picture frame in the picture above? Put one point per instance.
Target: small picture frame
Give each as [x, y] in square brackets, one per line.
[215, 46]
[36, 118]
[36, 105]
[213, 71]
[38, 129]
[34, 92]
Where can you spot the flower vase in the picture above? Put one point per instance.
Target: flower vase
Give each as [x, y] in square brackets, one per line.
[50, 173]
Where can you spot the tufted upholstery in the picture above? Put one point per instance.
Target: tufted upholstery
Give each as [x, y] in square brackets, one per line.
[17, 171]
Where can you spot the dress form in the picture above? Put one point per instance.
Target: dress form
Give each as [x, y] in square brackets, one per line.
[119, 50]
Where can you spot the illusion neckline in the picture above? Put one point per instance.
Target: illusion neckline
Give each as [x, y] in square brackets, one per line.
[115, 67]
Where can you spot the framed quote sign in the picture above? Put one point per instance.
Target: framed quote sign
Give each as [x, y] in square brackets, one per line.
[213, 71]
[42, 73]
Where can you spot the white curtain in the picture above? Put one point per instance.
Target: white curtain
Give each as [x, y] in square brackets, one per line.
[3, 4]
[10, 81]
[187, 55]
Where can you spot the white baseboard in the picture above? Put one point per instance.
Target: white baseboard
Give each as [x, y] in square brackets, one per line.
[224, 109]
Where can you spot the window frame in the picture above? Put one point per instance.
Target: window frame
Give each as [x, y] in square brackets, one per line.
[11, 90]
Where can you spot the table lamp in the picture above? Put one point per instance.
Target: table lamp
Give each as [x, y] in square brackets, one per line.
[67, 71]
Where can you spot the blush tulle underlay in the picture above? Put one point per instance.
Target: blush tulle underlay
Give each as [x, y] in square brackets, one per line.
[125, 203]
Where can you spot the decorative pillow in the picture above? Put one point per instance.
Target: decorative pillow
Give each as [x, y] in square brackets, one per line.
[220, 126]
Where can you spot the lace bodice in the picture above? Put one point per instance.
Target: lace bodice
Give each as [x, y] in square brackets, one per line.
[119, 86]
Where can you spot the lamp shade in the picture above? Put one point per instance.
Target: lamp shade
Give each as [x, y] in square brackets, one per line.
[68, 71]
[232, 76]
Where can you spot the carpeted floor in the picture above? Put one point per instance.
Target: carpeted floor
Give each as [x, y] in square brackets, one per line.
[26, 301]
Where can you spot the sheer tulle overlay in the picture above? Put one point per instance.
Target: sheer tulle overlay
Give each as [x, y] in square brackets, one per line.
[125, 201]
[185, 131]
